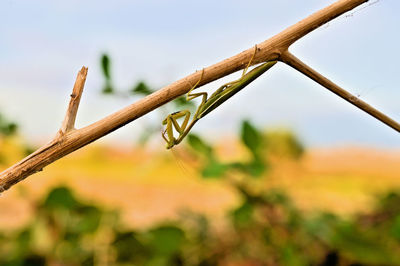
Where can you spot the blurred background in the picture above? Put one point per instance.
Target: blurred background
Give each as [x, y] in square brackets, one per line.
[284, 173]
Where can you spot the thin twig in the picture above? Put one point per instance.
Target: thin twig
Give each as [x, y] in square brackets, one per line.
[271, 49]
[70, 117]
[297, 64]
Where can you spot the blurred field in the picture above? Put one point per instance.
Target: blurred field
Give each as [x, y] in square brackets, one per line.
[150, 186]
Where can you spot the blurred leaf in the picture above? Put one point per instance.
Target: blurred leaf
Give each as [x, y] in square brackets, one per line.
[158, 261]
[23, 240]
[284, 144]
[108, 89]
[256, 167]
[390, 203]
[351, 240]
[243, 215]
[89, 219]
[249, 197]
[129, 248]
[214, 169]
[105, 66]
[71, 235]
[322, 226]
[34, 260]
[166, 240]
[88, 261]
[60, 197]
[73, 253]
[251, 137]
[28, 150]
[142, 88]
[199, 145]
[182, 102]
[238, 166]
[395, 228]
[7, 128]
[292, 257]
[363, 246]
[277, 197]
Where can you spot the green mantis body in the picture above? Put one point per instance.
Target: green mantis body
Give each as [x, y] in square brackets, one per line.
[222, 94]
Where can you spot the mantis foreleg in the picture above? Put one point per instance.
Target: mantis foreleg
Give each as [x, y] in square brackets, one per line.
[171, 121]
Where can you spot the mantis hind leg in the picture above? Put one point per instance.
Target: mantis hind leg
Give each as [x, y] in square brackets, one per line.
[249, 63]
[195, 86]
[229, 84]
[190, 96]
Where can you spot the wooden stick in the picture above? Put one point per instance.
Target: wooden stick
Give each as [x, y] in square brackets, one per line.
[297, 64]
[71, 140]
[70, 117]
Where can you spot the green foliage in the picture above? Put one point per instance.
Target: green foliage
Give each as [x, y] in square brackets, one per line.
[265, 228]
[243, 215]
[28, 149]
[105, 66]
[255, 167]
[260, 146]
[142, 88]
[129, 248]
[251, 137]
[107, 89]
[213, 167]
[395, 228]
[159, 246]
[7, 128]
[61, 198]
[276, 231]
[253, 140]
[166, 240]
[283, 143]
[199, 145]
[181, 102]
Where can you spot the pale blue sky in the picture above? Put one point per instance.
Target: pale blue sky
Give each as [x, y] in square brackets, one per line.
[44, 43]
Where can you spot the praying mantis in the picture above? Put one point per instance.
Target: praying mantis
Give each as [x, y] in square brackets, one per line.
[207, 105]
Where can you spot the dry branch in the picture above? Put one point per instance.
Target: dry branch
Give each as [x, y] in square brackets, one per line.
[294, 62]
[275, 48]
[70, 117]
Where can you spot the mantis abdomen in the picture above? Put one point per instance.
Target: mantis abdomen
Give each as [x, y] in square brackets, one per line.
[215, 100]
